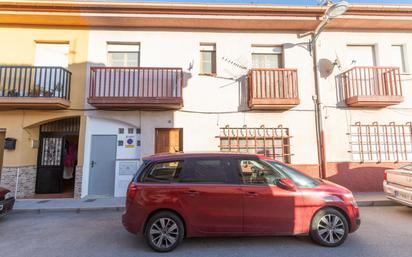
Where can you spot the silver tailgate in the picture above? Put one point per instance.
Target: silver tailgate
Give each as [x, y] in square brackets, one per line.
[400, 177]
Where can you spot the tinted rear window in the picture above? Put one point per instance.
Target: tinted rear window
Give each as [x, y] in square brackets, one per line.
[162, 171]
[214, 170]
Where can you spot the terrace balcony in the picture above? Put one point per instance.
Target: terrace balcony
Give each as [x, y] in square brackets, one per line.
[374, 87]
[273, 89]
[136, 88]
[34, 87]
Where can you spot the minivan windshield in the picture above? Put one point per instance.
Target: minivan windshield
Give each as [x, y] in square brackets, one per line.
[300, 179]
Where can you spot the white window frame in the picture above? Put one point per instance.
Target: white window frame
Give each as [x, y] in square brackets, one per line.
[374, 53]
[269, 50]
[404, 67]
[47, 50]
[208, 47]
[123, 47]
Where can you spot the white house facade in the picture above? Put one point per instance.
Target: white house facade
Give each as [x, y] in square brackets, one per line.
[165, 77]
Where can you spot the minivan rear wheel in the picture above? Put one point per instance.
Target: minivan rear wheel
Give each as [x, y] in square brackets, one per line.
[329, 227]
[164, 231]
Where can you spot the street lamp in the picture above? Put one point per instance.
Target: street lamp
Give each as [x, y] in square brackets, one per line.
[334, 10]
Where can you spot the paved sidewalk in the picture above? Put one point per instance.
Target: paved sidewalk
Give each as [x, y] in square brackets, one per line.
[68, 204]
[118, 203]
[373, 199]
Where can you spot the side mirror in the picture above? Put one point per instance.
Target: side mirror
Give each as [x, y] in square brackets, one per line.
[287, 184]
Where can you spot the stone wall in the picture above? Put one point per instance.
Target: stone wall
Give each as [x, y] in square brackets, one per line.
[78, 182]
[26, 180]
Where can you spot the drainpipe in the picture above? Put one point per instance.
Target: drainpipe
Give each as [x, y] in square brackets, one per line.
[332, 11]
[318, 107]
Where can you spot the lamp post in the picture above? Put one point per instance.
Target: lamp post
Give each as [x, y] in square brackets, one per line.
[334, 10]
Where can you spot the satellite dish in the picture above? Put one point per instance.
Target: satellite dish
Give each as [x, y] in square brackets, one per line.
[326, 67]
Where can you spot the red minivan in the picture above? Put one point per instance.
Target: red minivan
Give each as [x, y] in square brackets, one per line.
[182, 195]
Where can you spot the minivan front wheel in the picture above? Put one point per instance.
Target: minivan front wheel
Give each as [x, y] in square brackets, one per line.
[164, 231]
[329, 227]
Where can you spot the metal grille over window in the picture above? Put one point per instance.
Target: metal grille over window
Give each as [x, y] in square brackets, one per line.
[271, 142]
[70, 125]
[381, 142]
[52, 151]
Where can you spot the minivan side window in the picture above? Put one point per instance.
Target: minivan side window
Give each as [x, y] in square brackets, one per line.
[163, 172]
[256, 172]
[216, 170]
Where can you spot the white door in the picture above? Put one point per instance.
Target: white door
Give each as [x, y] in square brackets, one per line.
[52, 55]
[361, 55]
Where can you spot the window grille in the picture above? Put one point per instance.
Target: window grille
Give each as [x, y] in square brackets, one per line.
[377, 142]
[271, 142]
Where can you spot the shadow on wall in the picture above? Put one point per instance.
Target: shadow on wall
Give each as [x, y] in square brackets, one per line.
[340, 91]
[186, 77]
[359, 177]
[243, 93]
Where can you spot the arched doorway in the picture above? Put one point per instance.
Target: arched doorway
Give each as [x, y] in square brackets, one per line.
[57, 158]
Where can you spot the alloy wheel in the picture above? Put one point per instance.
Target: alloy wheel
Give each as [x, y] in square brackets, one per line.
[164, 233]
[331, 228]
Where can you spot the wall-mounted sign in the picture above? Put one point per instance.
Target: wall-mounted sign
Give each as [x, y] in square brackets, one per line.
[130, 141]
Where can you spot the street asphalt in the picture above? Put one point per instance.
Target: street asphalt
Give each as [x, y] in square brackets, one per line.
[385, 232]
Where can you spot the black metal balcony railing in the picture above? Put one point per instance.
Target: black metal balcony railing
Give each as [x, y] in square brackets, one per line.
[29, 81]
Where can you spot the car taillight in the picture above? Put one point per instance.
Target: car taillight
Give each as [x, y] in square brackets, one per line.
[131, 192]
[385, 176]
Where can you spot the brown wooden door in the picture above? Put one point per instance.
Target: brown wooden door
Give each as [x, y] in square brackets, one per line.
[2, 137]
[168, 140]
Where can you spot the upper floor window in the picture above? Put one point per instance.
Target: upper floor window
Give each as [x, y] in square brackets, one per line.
[271, 142]
[376, 142]
[52, 54]
[123, 54]
[207, 59]
[361, 55]
[398, 57]
[267, 57]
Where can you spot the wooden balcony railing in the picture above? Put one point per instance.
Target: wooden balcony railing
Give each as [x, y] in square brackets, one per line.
[34, 86]
[136, 87]
[372, 86]
[273, 89]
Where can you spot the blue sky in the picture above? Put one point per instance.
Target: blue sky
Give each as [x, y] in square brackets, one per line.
[291, 2]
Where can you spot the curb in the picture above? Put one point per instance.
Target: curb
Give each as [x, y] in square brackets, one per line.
[377, 203]
[66, 209]
[119, 209]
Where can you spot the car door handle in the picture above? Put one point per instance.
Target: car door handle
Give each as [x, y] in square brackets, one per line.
[251, 194]
[192, 192]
